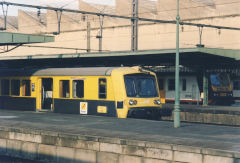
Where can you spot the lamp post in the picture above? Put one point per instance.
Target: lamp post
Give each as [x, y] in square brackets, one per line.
[177, 91]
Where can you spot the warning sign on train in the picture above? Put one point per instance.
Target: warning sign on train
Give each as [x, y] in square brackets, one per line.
[83, 107]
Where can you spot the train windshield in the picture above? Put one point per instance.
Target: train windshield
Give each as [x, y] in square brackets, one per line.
[141, 85]
[219, 80]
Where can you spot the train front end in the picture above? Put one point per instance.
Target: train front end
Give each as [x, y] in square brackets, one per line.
[221, 89]
[140, 95]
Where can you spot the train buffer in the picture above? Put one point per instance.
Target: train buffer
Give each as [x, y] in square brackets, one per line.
[54, 137]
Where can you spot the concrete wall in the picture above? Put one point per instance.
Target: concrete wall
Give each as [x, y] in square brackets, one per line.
[223, 117]
[10, 26]
[154, 36]
[58, 147]
[28, 24]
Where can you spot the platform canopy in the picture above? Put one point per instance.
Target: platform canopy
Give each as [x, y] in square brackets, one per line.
[191, 57]
[8, 38]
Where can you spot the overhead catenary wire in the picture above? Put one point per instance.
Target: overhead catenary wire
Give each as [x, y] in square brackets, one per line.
[186, 8]
[118, 16]
[93, 20]
[68, 3]
[55, 47]
[49, 47]
[101, 13]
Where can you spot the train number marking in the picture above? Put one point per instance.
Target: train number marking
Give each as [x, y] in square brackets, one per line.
[102, 109]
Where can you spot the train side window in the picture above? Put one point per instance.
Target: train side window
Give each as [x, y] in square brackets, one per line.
[102, 88]
[15, 87]
[64, 90]
[236, 85]
[5, 87]
[160, 84]
[171, 84]
[184, 84]
[26, 87]
[78, 88]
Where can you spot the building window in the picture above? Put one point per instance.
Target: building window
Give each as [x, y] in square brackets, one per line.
[64, 89]
[160, 84]
[26, 88]
[102, 88]
[78, 89]
[171, 84]
[5, 87]
[15, 87]
[184, 84]
[236, 85]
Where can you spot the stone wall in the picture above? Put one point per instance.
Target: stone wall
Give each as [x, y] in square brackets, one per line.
[62, 147]
[222, 117]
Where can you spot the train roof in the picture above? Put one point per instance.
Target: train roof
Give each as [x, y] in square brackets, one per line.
[85, 71]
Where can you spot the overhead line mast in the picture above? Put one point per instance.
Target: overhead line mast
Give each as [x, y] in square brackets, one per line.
[134, 41]
[117, 16]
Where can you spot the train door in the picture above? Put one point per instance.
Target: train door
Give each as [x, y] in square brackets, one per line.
[47, 94]
[236, 89]
[162, 89]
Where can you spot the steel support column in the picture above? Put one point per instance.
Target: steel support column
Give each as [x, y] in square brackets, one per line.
[177, 91]
[205, 89]
[100, 32]
[59, 17]
[134, 45]
[5, 12]
[88, 36]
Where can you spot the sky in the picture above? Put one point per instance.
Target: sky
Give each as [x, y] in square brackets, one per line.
[73, 4]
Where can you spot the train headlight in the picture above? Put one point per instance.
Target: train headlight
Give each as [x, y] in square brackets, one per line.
[157, 102]
[132, 102]
[135, 102]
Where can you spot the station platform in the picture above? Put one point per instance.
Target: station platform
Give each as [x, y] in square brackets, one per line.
[216, 109]
[211, 114]
[63, 137]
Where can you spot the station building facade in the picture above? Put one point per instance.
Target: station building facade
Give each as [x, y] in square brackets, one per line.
[117, 32]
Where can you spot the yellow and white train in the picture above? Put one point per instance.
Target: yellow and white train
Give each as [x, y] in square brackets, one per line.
[108, 91]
